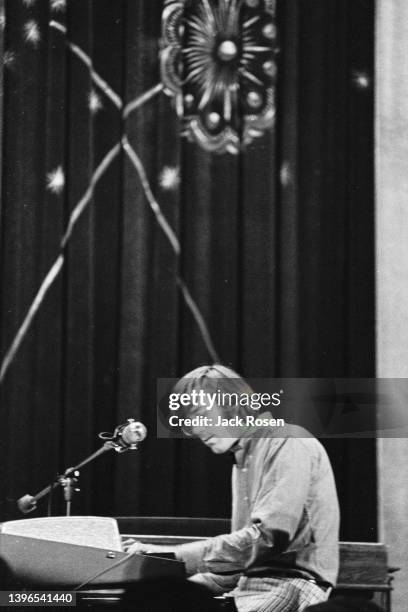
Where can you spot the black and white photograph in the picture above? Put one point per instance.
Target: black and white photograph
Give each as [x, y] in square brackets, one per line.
[204, 305]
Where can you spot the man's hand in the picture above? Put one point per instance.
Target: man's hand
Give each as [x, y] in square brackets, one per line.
[133, 546]
[216, 583]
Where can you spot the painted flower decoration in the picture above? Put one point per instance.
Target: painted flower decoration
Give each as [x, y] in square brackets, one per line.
[218, 59]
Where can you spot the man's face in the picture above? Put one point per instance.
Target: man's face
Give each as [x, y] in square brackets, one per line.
[218, 438]
[216, 444]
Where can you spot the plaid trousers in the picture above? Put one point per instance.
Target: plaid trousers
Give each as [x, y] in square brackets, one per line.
[276, 594]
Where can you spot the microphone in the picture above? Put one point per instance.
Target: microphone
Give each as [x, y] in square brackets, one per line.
[130, 434]
[126, 436]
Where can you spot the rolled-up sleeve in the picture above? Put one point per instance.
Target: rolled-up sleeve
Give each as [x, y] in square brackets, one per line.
[276, 513]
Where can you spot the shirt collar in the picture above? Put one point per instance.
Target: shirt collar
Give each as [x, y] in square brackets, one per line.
[241, 448]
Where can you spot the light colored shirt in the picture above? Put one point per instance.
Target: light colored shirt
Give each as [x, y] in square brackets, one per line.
[279, 484]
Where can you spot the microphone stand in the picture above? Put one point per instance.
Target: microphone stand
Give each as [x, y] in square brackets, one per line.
[68, 479]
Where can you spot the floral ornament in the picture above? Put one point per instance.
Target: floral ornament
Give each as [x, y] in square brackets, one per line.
[218, 60]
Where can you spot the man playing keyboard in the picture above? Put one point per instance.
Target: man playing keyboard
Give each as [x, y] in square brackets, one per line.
[282, 552]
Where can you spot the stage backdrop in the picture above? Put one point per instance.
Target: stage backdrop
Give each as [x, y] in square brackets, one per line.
[276, 247]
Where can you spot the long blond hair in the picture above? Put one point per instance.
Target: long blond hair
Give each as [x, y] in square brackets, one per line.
[213, 379]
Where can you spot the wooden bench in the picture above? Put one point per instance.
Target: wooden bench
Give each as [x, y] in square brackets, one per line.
[364, 571]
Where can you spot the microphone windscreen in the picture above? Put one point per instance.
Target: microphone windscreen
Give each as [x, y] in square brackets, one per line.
[133, 433]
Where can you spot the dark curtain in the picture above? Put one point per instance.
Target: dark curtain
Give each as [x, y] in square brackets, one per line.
[325, 252]
[277, 251]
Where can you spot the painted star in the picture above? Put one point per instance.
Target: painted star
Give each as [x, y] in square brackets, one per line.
[32, 32]
[56, 180]
[361, 79]
[169, 178]
[9, 57]
[94, 102]
[58, 5]
[285, 174]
